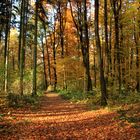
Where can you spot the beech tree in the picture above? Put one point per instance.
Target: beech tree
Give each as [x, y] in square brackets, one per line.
[22, 40]
[7, 11]
[116, 6]
[100, 59]
[82, 31]
[34, 92]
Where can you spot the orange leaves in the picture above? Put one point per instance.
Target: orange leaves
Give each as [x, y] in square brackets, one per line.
[58, 119]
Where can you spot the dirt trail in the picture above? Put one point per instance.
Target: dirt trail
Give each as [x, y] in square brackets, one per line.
[57, 119]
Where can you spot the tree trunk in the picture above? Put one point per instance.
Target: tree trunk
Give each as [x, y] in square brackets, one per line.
[100, 60]
[116, 6]
[54, 60]
[86, 49]
[137, 42]
[44, 66]
[110, 48]
[106, 39]
[61, 11]
[48, 59]
[21, 32]
[95, 73]
[82, 30]
[22, 41]
[34, 92]
[6, 47]
[21, 47]
[6, 54]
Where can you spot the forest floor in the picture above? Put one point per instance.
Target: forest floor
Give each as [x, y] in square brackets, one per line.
[58, 119]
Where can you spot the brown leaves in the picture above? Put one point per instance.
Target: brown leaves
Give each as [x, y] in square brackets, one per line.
[58, 119]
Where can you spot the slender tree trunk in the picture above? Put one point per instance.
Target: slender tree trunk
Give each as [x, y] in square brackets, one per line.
[86, 43]
[21, 32]
[137, 42]
[44, 66]
[100, 60]
[34, 92]
[95, 73]
[48, 60]
[64, 78]
[13, 60]
[116, 6]
[121, 53]
[110, 47]
[82, 31]
[22, 42]
[106, 39]
[25, 30]
[54, 60]
[61, 27]
[6, 46]
[21, 47]
[6, 54]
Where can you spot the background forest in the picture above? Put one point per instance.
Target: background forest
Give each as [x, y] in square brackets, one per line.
[80, 48]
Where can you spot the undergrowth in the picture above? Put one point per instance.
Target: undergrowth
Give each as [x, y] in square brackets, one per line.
[14, 100]
[93, 98]
[79, 96]
[75, 96]
[124, 98]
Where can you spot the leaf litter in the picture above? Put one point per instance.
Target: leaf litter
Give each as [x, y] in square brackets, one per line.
[58, 119]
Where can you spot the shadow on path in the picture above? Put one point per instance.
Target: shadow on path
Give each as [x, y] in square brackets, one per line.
[57, 119]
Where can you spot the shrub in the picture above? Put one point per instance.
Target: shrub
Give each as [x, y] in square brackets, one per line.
[15, 100]
[71, 95]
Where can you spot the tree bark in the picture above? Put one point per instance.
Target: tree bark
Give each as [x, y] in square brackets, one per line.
[6, 45]
[34, 92]
[86, 48]
[106, 39]
[82, 31]
[116, 6]
[44, 66]
[54, 60]
[137, 42]
[100, 60]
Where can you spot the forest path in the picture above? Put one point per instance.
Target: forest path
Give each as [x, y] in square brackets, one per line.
[58, 119]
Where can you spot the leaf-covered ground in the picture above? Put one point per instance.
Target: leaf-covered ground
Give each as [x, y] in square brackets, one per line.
[57, 119]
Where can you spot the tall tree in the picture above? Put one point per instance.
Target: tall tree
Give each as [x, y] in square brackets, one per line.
[8, 10]
[54, 55]
[137, 43]
[61, 10]
[85, 48]
[22, 40]
[48, 58]
[34, 92]
[44, 63]
[116, 7]
[106, 36]
[100, 59]
[81, 25]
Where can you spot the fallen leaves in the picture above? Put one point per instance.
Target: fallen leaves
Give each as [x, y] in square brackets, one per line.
[57, 119]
